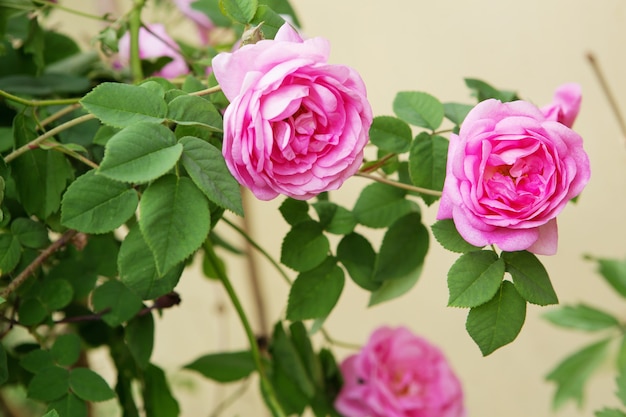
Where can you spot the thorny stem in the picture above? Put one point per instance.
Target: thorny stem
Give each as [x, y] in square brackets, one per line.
[38, 103]
[73, 11]
[39, 140]
[607, 92]
[266, 386]
[399, 184]
[27, 272]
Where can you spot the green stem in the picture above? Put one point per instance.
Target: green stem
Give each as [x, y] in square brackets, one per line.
[399, 184]
[338, 343]
[55, 116]
[72, 11]
[34, 144]
[207, 91]
[38, 103]
[266, 385]
[135, 25]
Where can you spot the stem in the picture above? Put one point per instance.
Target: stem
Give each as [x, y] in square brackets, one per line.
[399, 184]
[73, 11]
[38, 103]
[59, 114]
[378, 163]
[206, 92]
[26, 273]
[135, 25]
[231, 399]
[75, 155]
[266, 386]
[39, 140]
[338, 343]
[607, 92]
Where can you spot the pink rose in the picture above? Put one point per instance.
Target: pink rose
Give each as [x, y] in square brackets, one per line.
[510, 172]
[565, 105]
[398, 374]
[155, 43]
[201, 20]
[296, 125]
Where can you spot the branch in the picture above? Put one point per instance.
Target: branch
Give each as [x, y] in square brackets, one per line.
[399, 184]
[206, 92]
[38, 103]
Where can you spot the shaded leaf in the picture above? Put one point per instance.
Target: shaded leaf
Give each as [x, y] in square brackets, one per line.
[49, 384]
[89, 386]
[427, 163]
[474, 278]
[304, 247]
[530, 277]
[194, 110]
[139, 336]
[581, 317]
[120, 303]
[358, 257]
[446, 234]
[66, 349]
[379, 205]
[224, 366]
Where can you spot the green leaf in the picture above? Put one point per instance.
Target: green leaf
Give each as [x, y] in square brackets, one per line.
[581, 317]
[31, 312]
[175, 220]
[446, 234]
[138, 269]
[295, 211]
[66, 349]
[96, 204]
[206, 167]
[427, 163]
[271, 20]
[394, 288]
[34, 44]
[300, 339]
[314, 293]
[530, 278]
[403, 249]
[194, 110]
[51, 413]
[10, 252]
[621, 386]
[391, 134]
[499, 321]
[304, 247]
[36, 360]
[334, 218]
[69, 406]
[122, 105]
[140, 153]
[474, 278]
[418, 109]
[379, 205]
[120, 303]
[289, 361]
[610, 412]
[55, 294]
[158, 399]
[241, 11]
[30, 233]
[614, 272]
[89, 386]
[49, 384]
[284, 8]
[484, 91]
[139, 335]
[224, 366]
[358, 257]
[572, 373]
[456, 112]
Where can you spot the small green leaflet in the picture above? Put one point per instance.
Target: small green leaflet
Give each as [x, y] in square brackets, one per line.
[581, 317]
[304, 247]
[89, 386]
[224, 366]
[419, 109]
[474, 278]
[391, 134]
[241, 11]
[530, 277]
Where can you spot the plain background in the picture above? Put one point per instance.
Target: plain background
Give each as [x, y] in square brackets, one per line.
[399, 45]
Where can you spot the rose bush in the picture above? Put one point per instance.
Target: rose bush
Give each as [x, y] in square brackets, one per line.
[511, 170]
[296, 125]
[399, 374]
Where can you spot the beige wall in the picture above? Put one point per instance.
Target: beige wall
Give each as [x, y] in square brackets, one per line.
[532, 46]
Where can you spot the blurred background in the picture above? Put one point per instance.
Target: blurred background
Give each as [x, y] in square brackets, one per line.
[398, 45]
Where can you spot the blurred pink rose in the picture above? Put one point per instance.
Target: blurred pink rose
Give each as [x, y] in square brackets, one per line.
[151, 46]
[565, 105]
[296, 125]
[398, 374]
[510, 172]
[201, 20]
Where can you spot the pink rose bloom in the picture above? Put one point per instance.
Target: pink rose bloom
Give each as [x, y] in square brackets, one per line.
[398, 374]
[201, 20]
[510, 172]
[151, 46]
[565, 105]
[296, 125]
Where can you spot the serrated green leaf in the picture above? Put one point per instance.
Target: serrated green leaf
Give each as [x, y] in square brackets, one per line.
[581, 317]
[224, 366]
[271, 20]
[572, 373]
[403, 249]
[621, 386]
[304, 247]
[31, 312]
[89, 386]
[610, 412]
[139, 335]
[287, 359]
[30, 233]
[140, 153]
[427, 163]
[51, 413]
[36, 360]
[194, 110]
[359, 258]
[474, 278]
[10, 252]
[456, 112]
[241, 11]
[96, 204]
[122, 105]
[334, 218]
[49, 384]
[379, 205]
[117, 301]
[206, 167]
[530, 277]
[390, 134]
[314, 293]
[55, 294]
[69, 406]
[394, 288]
[66, 349]
[484, 91]
[446, 234]
[294, 211]
[499, 321]
[175, 220]
[614, 272]
[158, 399]
[138, 269]
[419, 109]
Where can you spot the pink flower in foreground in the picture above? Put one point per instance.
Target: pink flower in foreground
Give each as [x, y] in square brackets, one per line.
[201, 20]
[398, 374]
[155, 43]
[565, 105]
[296, 125]
[510, 172]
